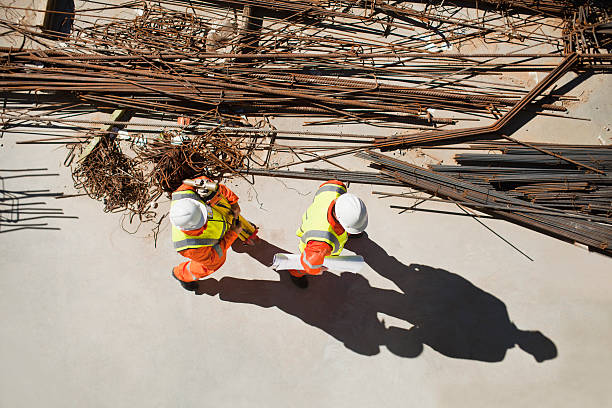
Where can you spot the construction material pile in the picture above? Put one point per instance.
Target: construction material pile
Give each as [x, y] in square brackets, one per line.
[569, 224]
[199, 82]
[553, 181]
[304, 63]
[210, 154]
[109, 175]
[159, 166]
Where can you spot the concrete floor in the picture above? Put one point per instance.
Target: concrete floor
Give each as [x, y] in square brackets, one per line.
[91, 316]
[445, 314]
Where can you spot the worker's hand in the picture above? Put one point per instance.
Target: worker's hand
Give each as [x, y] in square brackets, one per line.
[235, 210]
[236, 227]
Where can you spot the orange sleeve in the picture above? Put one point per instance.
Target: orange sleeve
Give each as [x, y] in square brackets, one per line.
[207, 256]
[227, 240]
[337, 182]
[313, 256]
[231, 197]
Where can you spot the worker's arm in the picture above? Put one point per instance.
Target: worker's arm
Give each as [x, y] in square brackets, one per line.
[228, 239]
[231, 198]
[229, 195]
[336, 182]
[313, 256]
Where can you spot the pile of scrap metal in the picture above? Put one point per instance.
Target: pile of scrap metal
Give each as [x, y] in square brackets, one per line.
[196, 83]
[302, 64]
[159, 166]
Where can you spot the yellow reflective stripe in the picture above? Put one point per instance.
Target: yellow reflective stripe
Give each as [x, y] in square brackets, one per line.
[326, 235]
[331, 187]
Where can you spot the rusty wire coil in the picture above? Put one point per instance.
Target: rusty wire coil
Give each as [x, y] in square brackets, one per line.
[173, 159]
[108, 175]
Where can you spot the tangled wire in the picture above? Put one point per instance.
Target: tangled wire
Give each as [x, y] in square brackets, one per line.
[135, 183]
[109, 175]
[175, 158]
[156, 30]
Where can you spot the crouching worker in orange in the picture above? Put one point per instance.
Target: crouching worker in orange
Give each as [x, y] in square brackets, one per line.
[201, 232]
[326, 225]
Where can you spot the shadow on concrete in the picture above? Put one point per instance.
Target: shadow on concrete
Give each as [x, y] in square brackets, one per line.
[24, 209]
[446, 311]
[525, 116]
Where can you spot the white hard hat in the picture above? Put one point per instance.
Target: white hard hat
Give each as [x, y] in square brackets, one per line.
[188, 214]
[351, 213]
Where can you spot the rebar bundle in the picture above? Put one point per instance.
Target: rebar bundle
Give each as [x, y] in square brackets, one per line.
[324, 61]
[542, 179]
[589, 230]
[223, 66]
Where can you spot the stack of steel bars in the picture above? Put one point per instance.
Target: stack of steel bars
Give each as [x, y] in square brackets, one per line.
[323, 61]
[539, 178]
[592, 231]
[218, 65]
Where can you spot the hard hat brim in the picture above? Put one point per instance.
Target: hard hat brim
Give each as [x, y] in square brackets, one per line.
[357, 229]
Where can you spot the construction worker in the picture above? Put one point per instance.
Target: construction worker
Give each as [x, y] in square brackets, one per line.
[201, 232]
[326, 225]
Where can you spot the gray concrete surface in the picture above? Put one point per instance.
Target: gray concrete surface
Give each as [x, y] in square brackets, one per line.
[91, 316]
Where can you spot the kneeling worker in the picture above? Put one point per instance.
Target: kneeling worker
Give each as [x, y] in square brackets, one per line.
[326, 225]
[202, 230]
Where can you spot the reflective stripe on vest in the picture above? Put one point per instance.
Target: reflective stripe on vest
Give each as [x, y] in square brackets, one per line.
[314, 221]
[331, 187]
[197, 242]
[216, 225]
[318, 235]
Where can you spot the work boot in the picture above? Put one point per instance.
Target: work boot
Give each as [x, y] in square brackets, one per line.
[300, 282]
[190, 286]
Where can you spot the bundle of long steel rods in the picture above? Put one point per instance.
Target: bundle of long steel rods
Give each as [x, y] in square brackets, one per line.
[224, 65]
[595, 232]
[172, 61]
[539, 178]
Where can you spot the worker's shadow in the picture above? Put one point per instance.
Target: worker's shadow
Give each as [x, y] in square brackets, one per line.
[446, 312]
